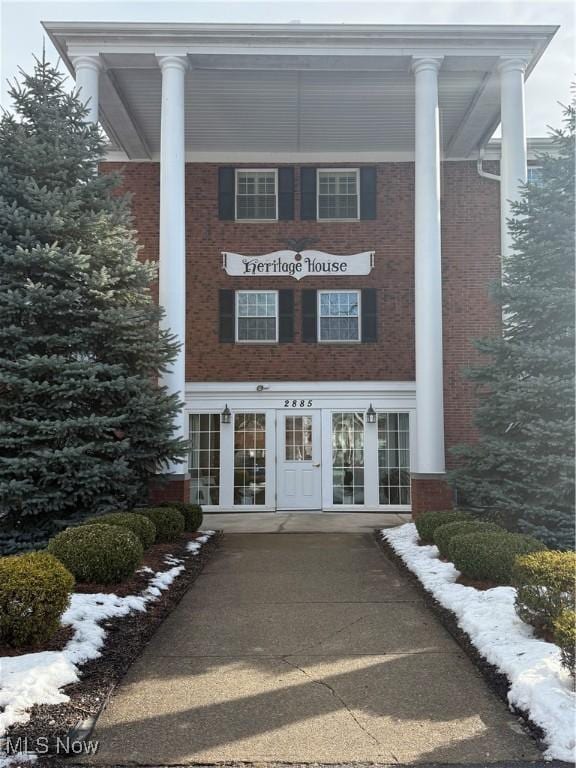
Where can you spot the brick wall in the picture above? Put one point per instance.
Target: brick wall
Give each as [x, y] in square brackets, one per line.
[470, 233]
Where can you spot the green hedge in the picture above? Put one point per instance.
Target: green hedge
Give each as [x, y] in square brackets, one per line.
[490, 556]
[427, 522]
[34, 592]
[138, 524]
[545, 584]
[564, 630]
[444, 534]
[98, 553]
[169, 522]
[192, 514]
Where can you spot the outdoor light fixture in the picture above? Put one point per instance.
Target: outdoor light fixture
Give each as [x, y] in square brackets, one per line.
[226, 415]
[371, 415]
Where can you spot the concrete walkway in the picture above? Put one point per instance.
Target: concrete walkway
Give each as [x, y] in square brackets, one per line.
[302, 522]
[305, 648]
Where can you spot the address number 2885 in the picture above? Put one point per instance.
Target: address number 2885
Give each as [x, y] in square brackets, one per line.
[297, 403]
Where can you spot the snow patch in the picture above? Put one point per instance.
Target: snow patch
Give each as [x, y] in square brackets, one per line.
[37, 678]
[539, 684]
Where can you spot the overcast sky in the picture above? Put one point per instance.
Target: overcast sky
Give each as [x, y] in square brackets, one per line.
[21, 35]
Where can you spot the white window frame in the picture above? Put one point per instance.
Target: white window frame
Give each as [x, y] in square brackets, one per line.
[319, 316]
[532, 168]
[337, 170]
[236, 317]
[254, 170]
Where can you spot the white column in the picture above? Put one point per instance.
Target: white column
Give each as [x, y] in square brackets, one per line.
[87, 69]
[428, 272]
[513, 161]
[172, 268]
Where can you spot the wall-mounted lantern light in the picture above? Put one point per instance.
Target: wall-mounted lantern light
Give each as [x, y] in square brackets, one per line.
[226, 415]
[371, 415]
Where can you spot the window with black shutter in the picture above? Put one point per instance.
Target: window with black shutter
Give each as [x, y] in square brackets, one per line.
[308, 193]
[309, 316]
[227, 313]
[369, 305]
[226, 192]
[368, 192]
[285, 316]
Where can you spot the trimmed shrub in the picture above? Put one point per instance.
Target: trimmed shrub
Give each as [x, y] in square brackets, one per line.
[491, 556]
[192, 514]
[564, 631]
[427, 523]
[98, 552]
[169, 522]
[138, 524]
[34, 592]
[444, 534]
[545, 583]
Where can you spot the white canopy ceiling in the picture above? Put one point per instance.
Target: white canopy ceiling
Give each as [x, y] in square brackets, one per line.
[298, 92]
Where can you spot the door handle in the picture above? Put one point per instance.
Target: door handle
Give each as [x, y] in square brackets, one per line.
[316, 464]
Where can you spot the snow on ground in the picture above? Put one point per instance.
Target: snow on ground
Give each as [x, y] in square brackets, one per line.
[539, 685]
[36, 678]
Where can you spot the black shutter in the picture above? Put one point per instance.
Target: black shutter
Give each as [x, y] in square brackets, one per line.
[369, 315]
[309, 316]
[285, 315]
[227, 316]
[368, 193]
[226, 193]
[308, 193]
[285, 194]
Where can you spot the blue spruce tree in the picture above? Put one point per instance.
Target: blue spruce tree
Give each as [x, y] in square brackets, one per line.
[83, 423]
[522, 469]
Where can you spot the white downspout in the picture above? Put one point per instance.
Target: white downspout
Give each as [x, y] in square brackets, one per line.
[481, 171]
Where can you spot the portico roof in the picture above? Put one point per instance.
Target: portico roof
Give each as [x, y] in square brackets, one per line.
[298, 92]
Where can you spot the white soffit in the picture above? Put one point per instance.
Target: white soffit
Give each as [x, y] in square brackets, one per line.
[298, 91]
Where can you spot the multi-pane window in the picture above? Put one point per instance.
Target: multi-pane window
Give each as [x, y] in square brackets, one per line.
[348, 458]
[256, 316]
[339, 315]
[394, 458]
[338, 195]
[298, 438]
[256, 195]
[204, 458]
[250, 458]
[534, 174]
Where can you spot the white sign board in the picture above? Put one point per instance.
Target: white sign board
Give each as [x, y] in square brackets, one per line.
[298, 264]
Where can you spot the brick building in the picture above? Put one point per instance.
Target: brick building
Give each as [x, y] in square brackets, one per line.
[326, 208]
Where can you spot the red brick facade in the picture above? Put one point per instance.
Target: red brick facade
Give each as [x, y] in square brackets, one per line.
[169, 488]
[430, 494]
[470, 248]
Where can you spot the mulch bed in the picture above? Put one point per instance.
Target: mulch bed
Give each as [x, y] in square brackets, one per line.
[56, 643]
[125, 638]
[495, 679]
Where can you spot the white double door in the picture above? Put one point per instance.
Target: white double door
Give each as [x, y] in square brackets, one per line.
[299, 460]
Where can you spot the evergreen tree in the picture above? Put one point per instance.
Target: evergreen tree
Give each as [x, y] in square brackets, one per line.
[83, 423]
[522, 469]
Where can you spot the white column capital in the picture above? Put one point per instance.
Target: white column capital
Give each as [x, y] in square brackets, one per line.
[172, 62]
[511, 64]
[93, 63]
[426, 63]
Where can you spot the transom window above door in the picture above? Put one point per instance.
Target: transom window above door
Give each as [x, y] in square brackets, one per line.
[257, 316]
[256, 195]
[338, 194]
[339, 316]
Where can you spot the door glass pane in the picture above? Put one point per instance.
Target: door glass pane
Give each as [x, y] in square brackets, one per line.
[348, 458]
[250, 458]
[298, 438]
[394, 458]
[204, 458]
